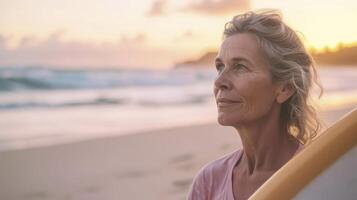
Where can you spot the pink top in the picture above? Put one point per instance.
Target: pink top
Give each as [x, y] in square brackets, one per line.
[214, 180]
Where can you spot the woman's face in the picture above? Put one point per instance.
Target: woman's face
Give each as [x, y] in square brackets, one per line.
[243, 89]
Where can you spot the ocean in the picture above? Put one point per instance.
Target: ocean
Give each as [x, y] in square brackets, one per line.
[43, 106]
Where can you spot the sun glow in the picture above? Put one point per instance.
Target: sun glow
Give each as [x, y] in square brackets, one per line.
[168, 31]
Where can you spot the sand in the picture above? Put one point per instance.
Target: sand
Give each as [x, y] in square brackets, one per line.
[153, 165]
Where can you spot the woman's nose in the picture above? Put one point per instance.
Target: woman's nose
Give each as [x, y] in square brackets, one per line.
[222, 81]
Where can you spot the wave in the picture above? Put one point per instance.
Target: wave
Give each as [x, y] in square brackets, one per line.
[102, 101]
[97, 101]
[36, 78]
[57, 88]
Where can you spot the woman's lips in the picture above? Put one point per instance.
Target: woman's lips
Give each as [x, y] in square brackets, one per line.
[226, 102]
[222, 104]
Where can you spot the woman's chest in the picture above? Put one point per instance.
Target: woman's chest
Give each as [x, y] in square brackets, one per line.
[244, 186]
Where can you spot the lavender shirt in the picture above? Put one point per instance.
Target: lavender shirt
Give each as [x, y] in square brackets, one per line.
[214, 180]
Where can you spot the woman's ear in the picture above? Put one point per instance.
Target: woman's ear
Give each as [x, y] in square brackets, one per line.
[285, 91]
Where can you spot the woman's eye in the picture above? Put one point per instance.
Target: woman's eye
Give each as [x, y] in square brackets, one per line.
[219, 67]
[240, 67]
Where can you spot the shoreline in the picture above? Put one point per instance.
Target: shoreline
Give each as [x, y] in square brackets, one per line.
[336, 105]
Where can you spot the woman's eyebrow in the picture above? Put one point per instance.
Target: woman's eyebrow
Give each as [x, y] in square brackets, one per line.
[235, 59]
[218, 60]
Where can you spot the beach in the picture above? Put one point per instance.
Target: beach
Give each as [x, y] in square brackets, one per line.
[153, 165]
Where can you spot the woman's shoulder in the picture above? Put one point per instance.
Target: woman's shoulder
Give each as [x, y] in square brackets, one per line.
[211, 173]
[217, 167]
[221, 164]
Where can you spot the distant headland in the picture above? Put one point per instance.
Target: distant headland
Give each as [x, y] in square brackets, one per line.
[343, 55]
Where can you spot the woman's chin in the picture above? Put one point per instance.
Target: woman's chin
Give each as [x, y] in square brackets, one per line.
[224, 121]
[230, 120]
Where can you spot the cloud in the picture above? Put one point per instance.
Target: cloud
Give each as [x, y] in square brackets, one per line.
[3, 42]
[53, 51]
[218, 7]
[139, 39]
[158, 8]
[187, 35]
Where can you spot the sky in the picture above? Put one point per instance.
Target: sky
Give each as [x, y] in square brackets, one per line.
[149, 33]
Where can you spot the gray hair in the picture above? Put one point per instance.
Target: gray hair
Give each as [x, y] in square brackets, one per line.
[289, 63]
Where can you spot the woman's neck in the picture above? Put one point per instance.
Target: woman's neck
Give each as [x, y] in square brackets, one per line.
[267, 146]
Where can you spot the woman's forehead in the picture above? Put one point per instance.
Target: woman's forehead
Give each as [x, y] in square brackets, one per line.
[242, 45]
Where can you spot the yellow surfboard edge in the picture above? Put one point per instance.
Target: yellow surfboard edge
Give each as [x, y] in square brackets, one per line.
[311, 161]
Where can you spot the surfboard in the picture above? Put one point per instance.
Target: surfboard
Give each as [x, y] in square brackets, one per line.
[324, 169]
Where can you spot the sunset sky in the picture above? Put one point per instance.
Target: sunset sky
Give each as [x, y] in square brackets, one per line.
[148, 33]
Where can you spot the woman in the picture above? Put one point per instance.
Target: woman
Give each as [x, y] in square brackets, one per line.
[262, 89]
